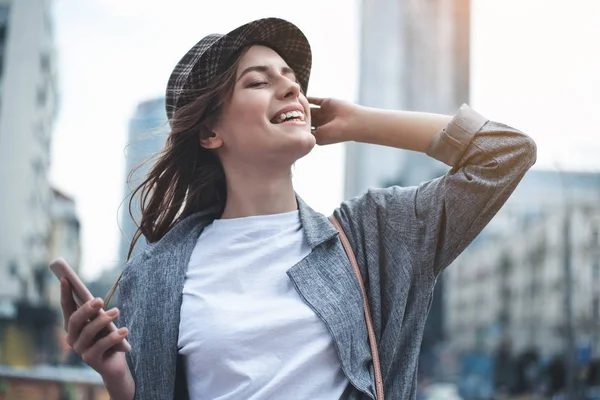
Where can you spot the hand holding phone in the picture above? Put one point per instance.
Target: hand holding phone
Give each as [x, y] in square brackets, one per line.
[75, 297]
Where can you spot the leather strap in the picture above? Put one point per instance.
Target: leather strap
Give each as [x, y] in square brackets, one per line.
[372, 340]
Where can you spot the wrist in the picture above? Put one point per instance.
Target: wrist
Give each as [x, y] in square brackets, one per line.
[359, 124]
[120, 385]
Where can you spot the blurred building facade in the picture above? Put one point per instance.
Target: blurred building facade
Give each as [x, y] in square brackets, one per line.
[506, 295]
[64, 240]
[511, 291]
[38, 222]
[28, 104]
[65, 230]
[148, 130]
[414, 56]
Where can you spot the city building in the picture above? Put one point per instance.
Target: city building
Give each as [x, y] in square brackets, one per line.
[63, 241]
[28, 104]
[512, 290]
[28, 101]
[64, 237]
[415, 57]
[506, 295]
[148, 129]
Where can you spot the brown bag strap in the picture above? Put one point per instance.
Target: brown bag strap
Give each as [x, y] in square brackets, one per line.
[372, 340]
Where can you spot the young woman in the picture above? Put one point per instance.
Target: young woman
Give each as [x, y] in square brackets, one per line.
[245, 292]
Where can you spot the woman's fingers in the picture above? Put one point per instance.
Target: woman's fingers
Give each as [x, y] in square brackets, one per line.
[95, 353]
[316, 113]
[80, 318]
[91, 330]
[315, 100]
[317, 116]
[67, 302]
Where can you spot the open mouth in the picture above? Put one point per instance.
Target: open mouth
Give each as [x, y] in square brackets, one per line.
[288, 116]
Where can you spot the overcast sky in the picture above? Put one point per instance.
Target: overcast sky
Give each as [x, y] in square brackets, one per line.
[534, 66]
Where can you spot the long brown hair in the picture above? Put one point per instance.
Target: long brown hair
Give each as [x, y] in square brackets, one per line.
[186, 178]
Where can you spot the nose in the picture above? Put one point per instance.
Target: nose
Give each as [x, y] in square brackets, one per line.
[289, 88]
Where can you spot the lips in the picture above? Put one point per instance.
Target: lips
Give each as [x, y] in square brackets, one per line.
[294, 111]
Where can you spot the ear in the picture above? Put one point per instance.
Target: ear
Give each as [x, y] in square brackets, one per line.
[213, 141]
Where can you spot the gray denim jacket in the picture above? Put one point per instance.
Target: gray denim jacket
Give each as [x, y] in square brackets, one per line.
[403, 238]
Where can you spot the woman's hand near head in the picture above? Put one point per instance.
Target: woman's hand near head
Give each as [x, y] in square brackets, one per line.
[339, 121]
[83, 326]
[335, 121]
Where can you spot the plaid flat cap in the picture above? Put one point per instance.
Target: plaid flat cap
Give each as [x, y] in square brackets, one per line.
[201, 64]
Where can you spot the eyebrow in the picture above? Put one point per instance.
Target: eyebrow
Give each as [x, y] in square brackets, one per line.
[264, 69]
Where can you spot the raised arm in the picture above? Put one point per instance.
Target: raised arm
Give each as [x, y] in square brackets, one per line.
[435, 221]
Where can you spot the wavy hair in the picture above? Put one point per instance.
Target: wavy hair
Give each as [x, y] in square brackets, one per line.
[186, 177]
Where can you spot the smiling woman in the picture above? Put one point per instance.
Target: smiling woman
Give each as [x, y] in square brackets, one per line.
[243, 290]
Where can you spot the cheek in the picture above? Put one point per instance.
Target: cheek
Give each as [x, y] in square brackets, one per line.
[245, 128]
[251, 116]
[250, 127]
[249, 113]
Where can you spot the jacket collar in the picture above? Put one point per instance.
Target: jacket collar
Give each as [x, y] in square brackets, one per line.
[317, 227]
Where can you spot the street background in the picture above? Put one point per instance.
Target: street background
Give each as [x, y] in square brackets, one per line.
[82, 103]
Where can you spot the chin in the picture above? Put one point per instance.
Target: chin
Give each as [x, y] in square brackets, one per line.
[299, 147]
[306, 147]
[307, 140]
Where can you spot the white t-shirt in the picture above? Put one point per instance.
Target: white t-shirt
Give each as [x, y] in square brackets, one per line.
[245, 333]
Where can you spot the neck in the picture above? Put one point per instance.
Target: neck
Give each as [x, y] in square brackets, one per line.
[254, 192]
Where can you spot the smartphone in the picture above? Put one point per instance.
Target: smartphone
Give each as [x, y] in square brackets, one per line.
[81, 295]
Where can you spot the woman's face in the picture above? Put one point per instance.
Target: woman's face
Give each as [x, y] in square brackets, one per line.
[250, 129]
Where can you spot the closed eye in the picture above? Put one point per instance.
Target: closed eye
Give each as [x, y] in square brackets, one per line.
[256, 84]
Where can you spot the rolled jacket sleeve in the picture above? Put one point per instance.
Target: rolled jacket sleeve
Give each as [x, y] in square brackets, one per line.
[451, 142]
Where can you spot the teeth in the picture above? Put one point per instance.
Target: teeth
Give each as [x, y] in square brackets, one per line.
[291, 114]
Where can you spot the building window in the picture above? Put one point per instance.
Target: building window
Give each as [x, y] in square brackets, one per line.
[45, 63]
[42, 96]
[4, 14]
[596, 268]
[4, 10]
